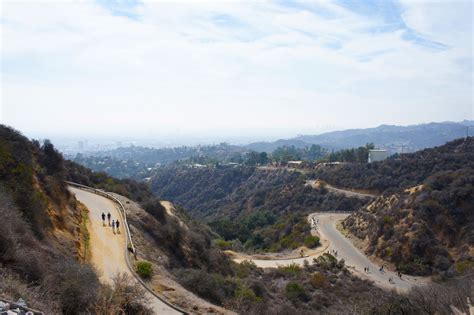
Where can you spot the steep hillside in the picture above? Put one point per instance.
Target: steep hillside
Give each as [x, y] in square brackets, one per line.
[262, 209]
[184, 259]
[425, 224]
[44, 242]
[126, 187]
[402, 171]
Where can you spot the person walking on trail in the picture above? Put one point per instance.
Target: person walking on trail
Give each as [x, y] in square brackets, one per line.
[108, 217]
[103, 219]
[117, 224]
[113, 226]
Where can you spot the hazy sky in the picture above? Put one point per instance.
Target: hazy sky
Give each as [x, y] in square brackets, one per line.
[256, 67]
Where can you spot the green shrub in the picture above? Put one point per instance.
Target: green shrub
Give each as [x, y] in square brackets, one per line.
[311, 241]
[246, 294]
[294, 291]
[463, 266]
[144, 269]
[318, 280]
[210, 286]
[387, 220]
[223, 244]
[290, 270]
[245, 268]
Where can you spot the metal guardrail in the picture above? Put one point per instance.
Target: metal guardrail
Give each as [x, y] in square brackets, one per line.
[122, 208]
[123, 214]
[15, 305]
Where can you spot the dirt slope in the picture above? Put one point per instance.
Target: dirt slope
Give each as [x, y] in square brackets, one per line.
[108, 249]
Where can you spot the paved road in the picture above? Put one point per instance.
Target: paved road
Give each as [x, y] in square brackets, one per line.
[355, 259]
[108, 249]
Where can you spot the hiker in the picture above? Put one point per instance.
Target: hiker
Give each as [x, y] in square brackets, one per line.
[399, 274]
[367, 269]
[108, 217]
[117, 224]
[113, 225]
[103, 219]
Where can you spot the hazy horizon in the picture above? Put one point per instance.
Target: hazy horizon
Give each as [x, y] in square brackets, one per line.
[232, 70]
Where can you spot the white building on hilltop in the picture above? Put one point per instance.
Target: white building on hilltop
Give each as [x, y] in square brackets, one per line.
[377, 155]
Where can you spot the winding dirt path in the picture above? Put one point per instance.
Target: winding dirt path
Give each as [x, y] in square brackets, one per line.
[108, 248]
[348, 193]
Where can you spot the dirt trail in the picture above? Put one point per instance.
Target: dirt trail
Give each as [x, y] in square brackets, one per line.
[345, 192]
[108, 249]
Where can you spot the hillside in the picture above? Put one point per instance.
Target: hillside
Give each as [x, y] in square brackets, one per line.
[261, 209]
[44, 245]
[412, 138]
[402, 171]
[424, 222]
[185, 259]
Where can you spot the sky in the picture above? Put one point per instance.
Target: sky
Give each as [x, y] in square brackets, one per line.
[232, 68]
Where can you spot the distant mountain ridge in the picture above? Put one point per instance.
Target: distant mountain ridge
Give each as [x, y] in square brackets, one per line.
[394, 138]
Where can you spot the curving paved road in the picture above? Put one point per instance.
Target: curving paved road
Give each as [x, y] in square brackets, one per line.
[108, 253]
[355, 259]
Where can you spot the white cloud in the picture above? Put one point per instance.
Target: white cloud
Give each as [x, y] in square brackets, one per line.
[228, 65]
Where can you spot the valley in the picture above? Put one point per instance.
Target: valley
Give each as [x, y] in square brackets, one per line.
[266, 240]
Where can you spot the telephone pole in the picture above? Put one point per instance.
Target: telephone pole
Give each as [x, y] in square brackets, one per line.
[467, 131]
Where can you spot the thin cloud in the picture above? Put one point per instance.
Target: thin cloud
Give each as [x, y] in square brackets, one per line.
[106, 67]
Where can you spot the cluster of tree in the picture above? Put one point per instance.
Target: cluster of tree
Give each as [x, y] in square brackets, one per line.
[291, 153]
[259, 208]
[139, 163]
[153, 156]
[357, 155]
[262, 231]
[129, 188]
[117, 168]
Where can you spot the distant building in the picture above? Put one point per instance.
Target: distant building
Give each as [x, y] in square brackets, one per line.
[377, 155]
[294, 163]
[196, 165]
